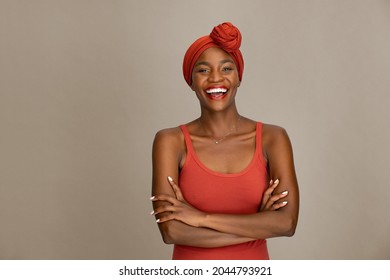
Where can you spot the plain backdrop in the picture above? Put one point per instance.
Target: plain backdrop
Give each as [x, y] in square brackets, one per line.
[85, 85]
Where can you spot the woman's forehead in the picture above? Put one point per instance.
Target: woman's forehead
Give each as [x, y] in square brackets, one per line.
[214, 55]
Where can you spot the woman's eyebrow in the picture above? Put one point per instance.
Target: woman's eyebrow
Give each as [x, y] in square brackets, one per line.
[202, 63]
[226, 61]
[208, 64]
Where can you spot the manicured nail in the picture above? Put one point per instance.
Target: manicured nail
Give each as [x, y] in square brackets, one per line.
[270, 182]
[158, 220]
[152, 198]
[284, 202]
[285, 192]
[151, 213]
[170, 179]
[276, 181]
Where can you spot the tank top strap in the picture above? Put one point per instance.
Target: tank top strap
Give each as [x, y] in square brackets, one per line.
[259, 141]
[187, 138]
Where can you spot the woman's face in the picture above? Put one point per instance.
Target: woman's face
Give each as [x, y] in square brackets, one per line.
[215, 79]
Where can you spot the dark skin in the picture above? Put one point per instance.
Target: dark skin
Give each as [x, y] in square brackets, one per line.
[181, 223]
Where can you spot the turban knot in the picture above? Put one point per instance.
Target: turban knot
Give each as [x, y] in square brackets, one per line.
[225, 36]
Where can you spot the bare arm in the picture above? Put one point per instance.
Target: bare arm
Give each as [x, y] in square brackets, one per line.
[261, 225]
[167, 152]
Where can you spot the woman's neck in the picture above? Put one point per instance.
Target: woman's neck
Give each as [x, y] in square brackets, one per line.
[218, 124]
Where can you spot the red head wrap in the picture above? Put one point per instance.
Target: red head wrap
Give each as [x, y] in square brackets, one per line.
[225, 36]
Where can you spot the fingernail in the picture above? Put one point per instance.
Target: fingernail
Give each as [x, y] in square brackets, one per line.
[158, 220]
[170, 179]
[276, 181]
[285, 192]
[153, 197]
[151, 213]
[284, 202]
[270, 182]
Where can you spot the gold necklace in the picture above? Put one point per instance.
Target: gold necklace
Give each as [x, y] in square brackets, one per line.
[217, 141]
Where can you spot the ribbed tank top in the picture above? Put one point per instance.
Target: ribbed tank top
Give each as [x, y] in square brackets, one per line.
[213, 192]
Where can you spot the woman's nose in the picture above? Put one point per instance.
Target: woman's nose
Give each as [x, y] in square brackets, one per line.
[215, 76]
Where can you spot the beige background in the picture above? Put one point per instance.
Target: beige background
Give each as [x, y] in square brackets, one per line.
[86, 84]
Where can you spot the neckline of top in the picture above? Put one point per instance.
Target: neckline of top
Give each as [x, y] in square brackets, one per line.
[191, 153]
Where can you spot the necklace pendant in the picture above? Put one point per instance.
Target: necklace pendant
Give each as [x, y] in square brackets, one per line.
[233, 128]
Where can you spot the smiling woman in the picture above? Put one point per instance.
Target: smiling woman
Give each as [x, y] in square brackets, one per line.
[223, 183]
[212, 65]
[216, 75]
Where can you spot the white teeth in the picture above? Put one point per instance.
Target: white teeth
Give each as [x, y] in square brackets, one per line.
[216, 90]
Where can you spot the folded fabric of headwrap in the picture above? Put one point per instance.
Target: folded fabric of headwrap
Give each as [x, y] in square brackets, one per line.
[225, 36]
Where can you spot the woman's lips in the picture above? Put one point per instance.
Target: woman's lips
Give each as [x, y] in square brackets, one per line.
[216, 93]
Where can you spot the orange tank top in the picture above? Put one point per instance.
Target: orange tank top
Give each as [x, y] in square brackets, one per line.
[213, 192]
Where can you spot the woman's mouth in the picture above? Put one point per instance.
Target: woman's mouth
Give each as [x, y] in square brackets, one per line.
[216, 93]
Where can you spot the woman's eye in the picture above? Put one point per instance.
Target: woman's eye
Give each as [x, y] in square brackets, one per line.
[227, 69]
[202, 70]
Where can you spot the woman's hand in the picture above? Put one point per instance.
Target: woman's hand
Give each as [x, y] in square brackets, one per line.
[179, 209]
[271, 202]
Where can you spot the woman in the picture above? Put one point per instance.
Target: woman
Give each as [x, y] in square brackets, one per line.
[222, 183]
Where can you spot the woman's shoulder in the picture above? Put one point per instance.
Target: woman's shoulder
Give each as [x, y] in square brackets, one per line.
[169, 135]
[273, 129]
[174, 133]
[169, 141]
[268, 130]
[273, 134]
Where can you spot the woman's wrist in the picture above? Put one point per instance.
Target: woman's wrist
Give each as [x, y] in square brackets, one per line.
[204, 221]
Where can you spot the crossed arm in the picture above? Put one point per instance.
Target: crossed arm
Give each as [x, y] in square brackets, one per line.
[181, 223]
